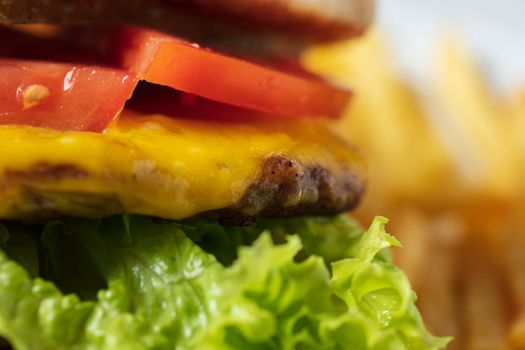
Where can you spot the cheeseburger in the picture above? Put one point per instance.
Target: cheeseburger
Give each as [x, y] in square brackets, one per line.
[169, 179]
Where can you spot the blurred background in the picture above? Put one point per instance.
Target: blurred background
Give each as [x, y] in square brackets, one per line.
[439, 114]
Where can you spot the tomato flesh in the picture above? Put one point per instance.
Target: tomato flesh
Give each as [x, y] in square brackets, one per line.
[169, 61]
[41, 87]
[62, 96]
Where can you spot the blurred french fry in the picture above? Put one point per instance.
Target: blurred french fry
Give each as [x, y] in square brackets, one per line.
[516, 110]
[514, 259]
[438, 292]
[471, 123]
[516, 126]
[515, 256]
[484, 303]
[517, 333]
[411, 228]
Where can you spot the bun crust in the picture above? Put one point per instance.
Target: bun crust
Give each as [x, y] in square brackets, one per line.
[304, 20]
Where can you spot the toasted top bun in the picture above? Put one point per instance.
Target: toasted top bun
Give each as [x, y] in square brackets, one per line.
[319, 20]
[271, 27]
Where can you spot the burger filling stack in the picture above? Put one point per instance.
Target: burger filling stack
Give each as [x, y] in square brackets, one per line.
[169, 179]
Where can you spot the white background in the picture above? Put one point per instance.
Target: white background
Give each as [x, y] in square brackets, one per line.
[494, 30]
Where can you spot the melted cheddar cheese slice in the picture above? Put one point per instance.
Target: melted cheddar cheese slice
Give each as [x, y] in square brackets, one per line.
[170, 168]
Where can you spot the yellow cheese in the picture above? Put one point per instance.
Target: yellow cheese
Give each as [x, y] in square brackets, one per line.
[152, 165]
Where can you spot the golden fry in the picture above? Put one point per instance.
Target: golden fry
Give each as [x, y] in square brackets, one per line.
[517, 332]
[483, 303]
[471, 123]
[439, 294]
[514, 259]
[411, 227]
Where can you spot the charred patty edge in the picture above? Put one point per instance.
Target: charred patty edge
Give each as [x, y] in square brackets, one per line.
[287, 187]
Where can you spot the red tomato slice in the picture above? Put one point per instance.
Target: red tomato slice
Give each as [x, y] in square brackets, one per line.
[167, 60]
[87, 96]
[62, 96]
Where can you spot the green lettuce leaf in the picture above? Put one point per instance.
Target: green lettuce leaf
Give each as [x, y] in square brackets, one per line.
[134, 283]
